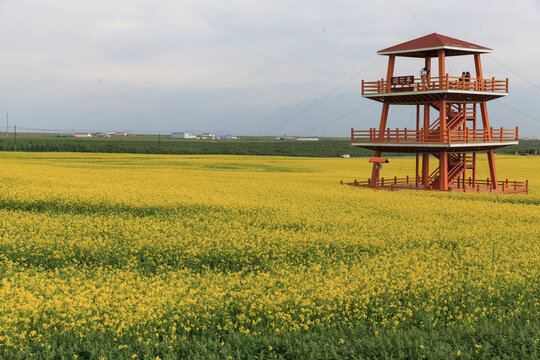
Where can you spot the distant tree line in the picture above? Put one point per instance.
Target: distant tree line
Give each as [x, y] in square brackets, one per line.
[151, 144]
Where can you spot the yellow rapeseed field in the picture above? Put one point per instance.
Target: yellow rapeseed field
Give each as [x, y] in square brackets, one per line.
[148, 251]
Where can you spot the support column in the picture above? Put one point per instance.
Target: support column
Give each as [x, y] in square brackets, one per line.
[425, 170]
[425, 132]
[442, 121]
[442, 71]
[375, 171]
[443, 171]
[442, 85]
[384, 117]
[474, 169]
[425, 155]
[485, 122]
[492, 171]
[417, 155]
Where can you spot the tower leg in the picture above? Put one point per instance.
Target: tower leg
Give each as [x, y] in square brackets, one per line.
[382, 127]
[492, 172]
[443, 171]
[417, 171]
[474, 170]
[375, 173]
[425, 133]
[425, 170]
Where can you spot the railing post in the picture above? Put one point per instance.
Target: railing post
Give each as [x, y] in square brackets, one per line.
[362, 86]
[395, 180]
[446, 82]
[352, 135]
[397, 135]
[517, 136]
[507, 85]
[405, 134]
[493, 84]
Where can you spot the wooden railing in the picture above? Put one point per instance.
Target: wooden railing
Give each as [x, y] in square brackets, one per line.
[471, 185]
[435, 83]
[400, 136]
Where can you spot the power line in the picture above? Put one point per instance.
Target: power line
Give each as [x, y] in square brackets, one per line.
[324, 97]
[339, 118]
[515, 73]
[519, 111]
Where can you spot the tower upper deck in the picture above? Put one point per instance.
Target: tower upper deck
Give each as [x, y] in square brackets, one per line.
[428, 88]
[411, 90]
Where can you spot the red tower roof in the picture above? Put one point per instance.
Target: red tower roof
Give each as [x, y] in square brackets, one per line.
[427, 46]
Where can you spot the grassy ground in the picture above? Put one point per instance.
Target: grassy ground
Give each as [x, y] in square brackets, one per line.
[122, 256]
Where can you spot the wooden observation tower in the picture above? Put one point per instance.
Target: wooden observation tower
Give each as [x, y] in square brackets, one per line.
[454, 137]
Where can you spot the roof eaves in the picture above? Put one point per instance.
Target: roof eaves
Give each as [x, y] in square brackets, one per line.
[469, 49]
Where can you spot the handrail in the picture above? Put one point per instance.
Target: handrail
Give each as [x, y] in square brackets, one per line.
[471, 185]
[435, 83]
[434, 136]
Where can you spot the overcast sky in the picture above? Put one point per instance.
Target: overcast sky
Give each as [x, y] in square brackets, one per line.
[236, 66]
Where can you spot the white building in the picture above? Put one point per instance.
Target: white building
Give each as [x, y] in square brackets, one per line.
[182, 135]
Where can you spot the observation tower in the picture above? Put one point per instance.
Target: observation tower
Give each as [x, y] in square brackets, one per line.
[452, 138]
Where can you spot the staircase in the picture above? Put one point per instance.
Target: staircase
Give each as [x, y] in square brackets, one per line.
[457, 117]
[457, 164]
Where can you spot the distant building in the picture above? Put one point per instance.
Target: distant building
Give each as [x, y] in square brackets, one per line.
[121, 133]
[227, 137]
[206, 135]
[307, 138]
[181, 135]
[286, 138]
[82, 135]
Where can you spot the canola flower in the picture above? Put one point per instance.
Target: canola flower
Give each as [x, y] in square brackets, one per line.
[160, 248]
